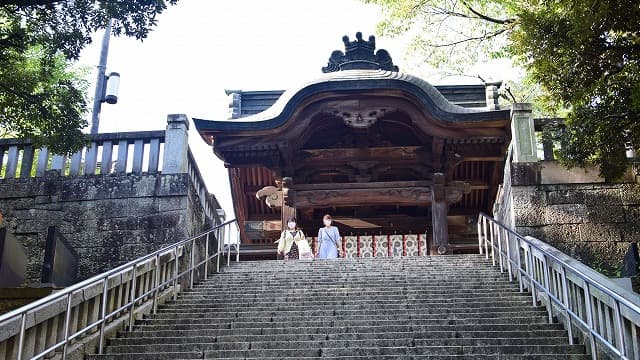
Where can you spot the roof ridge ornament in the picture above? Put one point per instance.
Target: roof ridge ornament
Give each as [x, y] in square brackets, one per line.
[359, 55]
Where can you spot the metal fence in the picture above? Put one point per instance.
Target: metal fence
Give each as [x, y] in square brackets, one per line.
[117, 297]
[592, 308]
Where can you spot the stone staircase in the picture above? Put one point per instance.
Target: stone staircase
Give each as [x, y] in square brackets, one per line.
[447, 307]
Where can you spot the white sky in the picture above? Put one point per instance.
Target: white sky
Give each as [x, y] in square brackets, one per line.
[201, 47]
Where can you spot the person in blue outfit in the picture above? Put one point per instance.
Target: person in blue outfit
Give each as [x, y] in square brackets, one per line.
[329, 241]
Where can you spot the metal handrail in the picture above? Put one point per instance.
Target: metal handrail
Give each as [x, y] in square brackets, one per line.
[487, 239]
[223, 237]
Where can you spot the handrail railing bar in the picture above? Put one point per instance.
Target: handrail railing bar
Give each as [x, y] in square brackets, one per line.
[594, 282]
[619, 323]
[94, 279]
[534, 283]
[132, 297]
[565, 295]
[105, 290]
[593, 334]
[66, 326]
[48, 350]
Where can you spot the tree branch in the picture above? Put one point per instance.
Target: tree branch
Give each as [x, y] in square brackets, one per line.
[483, 37]
[485, 17]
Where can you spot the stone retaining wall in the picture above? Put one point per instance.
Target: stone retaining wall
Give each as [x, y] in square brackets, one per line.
[108, 220]
[595, 223]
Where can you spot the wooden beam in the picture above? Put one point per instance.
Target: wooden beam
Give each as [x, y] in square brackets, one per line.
[372, 185]
[392, 154]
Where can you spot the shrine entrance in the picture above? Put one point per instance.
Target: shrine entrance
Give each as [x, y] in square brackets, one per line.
[381, 151]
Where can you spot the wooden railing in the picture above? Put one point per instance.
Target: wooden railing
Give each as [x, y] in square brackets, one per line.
[382, 245]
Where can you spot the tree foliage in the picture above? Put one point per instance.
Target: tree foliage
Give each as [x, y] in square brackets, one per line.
[584, 54]
[42, 96]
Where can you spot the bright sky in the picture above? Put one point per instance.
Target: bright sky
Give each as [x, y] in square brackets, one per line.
[200, 48]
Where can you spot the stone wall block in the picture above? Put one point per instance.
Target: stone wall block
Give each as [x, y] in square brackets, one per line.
[599, 233]
[560, 234]
[566, 214]
[567, 196]
[630, 232]
[603, 197]
[632, 214]
[606, 214]
[173, 185]
[529, 216]
[630, 194]
[531, 195]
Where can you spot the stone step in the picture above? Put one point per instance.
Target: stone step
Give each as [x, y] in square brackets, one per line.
[285, 342]
[279, 328]
[246, 298]
[450, 307]
[339, 313]
[163, 345]
[360, 302]
[353, 333]
[203, 355]
[365, 308]
[342, 321]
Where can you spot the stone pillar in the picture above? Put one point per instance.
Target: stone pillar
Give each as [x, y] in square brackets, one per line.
[439, 209]
[523, 134]
[525, 169]
[176, 144]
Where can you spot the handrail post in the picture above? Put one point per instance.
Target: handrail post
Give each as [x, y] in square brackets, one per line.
[206, 256]
[493, 246]
[479, 234]
[531, 274]
[175, 274]
[67, 320]
[500, 247]
[156, 284]
[192, 263]
[547, 284]
[132, 297]
[103, 310]
[589, 310]
[567, 304]
[508, 242]
[484, 231]
[620, 328]
[218, 254]
[520, 281]
[228, 233]
[23, 326]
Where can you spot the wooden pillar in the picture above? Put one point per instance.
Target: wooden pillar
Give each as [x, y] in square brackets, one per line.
[288, 201]
[439, 209]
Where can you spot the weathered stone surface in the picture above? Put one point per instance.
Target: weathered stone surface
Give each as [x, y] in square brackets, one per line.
[599, 233]
[605, 214]
[109, 220]
[593, 222]
[568, 196]
[630, 194]
[565, 214]
[603, 197]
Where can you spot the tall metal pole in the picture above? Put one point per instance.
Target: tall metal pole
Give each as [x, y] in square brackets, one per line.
[100, 81]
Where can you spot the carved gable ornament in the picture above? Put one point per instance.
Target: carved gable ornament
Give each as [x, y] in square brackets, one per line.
[359, 55]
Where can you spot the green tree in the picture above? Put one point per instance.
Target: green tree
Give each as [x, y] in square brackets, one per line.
[42, 96]
[584, 54]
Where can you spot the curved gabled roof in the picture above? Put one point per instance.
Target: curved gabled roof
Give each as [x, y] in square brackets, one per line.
[354, 81]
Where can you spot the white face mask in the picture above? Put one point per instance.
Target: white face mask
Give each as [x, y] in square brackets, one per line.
[327, 222]
[291, 225]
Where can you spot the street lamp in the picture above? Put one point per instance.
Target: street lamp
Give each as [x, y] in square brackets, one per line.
[106, 85]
